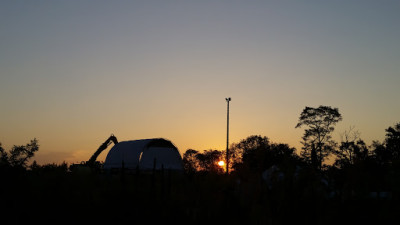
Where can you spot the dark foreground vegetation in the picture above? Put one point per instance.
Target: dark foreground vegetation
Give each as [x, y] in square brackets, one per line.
[268, 183]
[57, 196]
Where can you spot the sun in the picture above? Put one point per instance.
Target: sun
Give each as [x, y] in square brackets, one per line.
[221, 163]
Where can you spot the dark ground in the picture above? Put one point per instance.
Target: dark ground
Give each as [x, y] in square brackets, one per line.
[83, 197]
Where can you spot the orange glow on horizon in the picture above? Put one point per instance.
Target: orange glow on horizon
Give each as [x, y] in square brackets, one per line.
[221, 163]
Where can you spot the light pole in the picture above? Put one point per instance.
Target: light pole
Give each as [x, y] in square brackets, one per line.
[227, 136]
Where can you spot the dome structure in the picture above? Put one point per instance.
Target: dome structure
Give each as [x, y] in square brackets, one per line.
[144, 154]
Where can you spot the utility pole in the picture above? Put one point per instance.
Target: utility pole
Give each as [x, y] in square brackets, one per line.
[227, 136]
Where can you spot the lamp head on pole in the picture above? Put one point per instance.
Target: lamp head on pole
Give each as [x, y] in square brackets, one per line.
[228, 99]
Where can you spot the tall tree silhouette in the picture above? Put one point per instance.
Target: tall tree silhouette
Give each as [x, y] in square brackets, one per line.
[317, 140]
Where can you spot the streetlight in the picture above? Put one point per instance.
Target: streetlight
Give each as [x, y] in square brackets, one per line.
[227, 136]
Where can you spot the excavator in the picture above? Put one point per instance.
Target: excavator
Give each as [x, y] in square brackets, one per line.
[102, 147]
[91, 163]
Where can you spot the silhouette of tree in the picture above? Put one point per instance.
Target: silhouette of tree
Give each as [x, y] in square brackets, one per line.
[380, 153]
[19, 155]
[34, 165]
[3, 157]
[258, 154]
[352, 149]
[194, 161]
[208, 161]
[317, 139]
[235, 156]
[281, 154]
[252, 152]
[392, 141]
[389, 150]
[190, 163]
[53, 167]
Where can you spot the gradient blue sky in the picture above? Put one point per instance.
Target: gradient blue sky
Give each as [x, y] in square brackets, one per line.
[73, 72]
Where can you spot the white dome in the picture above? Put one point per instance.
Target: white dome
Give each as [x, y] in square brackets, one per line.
[144, 154]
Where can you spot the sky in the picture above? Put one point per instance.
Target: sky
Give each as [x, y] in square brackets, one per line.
[74, 72]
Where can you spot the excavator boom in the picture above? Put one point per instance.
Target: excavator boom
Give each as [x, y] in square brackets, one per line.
[102, 147]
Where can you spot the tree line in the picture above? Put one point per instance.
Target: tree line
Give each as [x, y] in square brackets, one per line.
[257, 153]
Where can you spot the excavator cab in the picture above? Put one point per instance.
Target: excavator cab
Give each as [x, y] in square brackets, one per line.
[92, 163]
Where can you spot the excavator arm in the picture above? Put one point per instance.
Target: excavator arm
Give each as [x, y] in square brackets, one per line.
[102, 147]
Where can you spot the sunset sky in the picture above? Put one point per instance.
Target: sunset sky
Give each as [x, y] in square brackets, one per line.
[74, 72]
